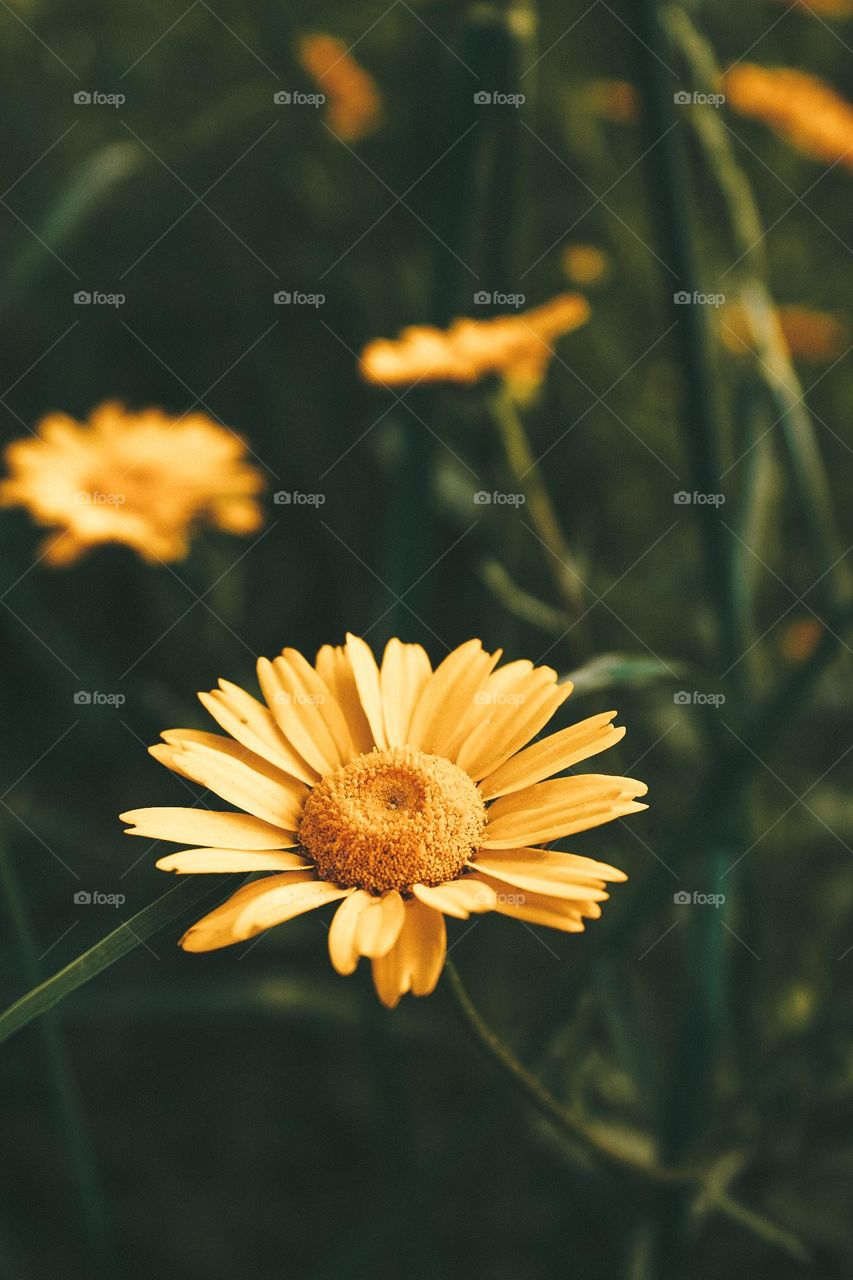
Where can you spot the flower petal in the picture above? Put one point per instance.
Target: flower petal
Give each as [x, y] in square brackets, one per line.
[558, 808]
[252, 724]
[457, 897]
[217, 929]
[379, 924]
[343, 951]
[512, 716]
[236, 782]
[292, 897]
[448, 696]
[539, 908]
[298, 708]
[366, 675]
[222, 830]
[552, 755]
[415, 962]
[219, 860]
[405, 670]
[334, 666]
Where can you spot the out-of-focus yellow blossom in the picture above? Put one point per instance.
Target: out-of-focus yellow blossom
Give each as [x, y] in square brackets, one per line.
[353, 104]
[823, 8]
[517, 347]
[813, 337]
[614, 100]
[584, 264]
[800, 107]
[141, 479]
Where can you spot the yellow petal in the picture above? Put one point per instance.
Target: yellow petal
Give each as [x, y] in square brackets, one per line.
[379, 924]
[551, 862]
[320, 703]
[298, 715]
[217, 929]
[551, 884]
[457, 897]
[415, 962]
[235, 782]
[539, 908]
[366, 675]
[448, 697]
[292, 897]
[511, 718]
[219, 860]
[558, 808]
[405, 670]
[222, 830]
[252, 724]
[552, 755]
[343, 951]
[334, 666]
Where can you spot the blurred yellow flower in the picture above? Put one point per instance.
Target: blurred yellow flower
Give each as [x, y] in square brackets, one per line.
[811, 336]
[823, 8]
[401, 792]
[584, 264]
[518, 347]
[353, 104]
[801, 108]
[141, 479]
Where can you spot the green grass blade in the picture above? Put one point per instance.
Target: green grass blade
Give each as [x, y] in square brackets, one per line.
[129, 935]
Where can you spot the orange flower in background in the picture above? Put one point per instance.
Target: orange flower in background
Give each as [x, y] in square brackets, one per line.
[517, 347]
[823, 8]
[402, 793]
[353, 104]
[584, 264]
[141, 479]
[800, 107]
[813, 337]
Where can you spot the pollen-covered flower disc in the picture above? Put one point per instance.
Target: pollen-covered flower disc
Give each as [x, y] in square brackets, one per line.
[403, 794]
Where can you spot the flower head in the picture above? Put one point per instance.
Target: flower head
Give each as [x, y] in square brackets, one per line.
[517, 347]
[141, 479]
[353, 103]
[802, 109]
[810, 336]
[402, 793]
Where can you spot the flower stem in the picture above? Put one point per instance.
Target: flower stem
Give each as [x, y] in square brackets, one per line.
[531, 1087]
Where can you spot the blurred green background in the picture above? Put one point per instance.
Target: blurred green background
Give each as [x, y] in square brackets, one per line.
[250, 1113]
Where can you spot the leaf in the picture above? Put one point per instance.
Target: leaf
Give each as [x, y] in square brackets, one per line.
[129, 935]
[611, 669]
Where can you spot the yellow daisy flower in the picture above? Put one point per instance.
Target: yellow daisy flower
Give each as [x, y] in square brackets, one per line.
[353, 104]
[141, 479]
[517, 347]
[802, 109]
[400, 792]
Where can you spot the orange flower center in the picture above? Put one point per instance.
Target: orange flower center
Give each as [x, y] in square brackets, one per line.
[392, 819]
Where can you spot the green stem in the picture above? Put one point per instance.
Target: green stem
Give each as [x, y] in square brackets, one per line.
[532, 1088]
[527, 474]
[60, 1084]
